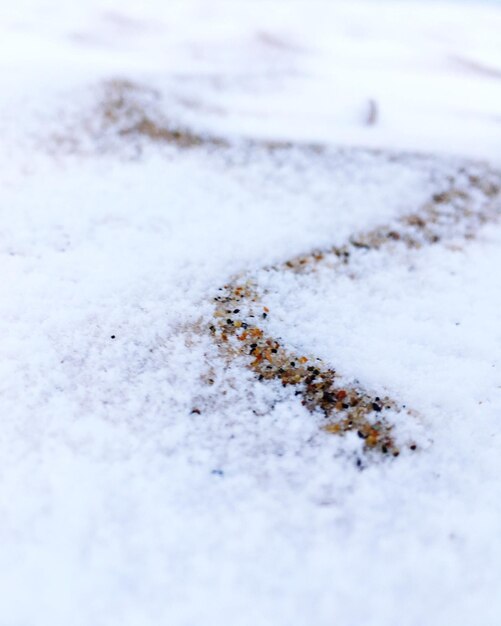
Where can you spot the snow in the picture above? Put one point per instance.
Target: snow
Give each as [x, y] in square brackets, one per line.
[119, 503]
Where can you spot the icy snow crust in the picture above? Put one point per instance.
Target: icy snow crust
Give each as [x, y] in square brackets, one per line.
[147, 479]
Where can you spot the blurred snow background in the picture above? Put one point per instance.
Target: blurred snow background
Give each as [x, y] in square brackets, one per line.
[118, 504]
[431, 70]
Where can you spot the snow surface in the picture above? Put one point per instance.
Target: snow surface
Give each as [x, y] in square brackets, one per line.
[119, 504]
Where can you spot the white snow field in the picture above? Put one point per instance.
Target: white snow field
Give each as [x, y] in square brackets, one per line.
[145, 479]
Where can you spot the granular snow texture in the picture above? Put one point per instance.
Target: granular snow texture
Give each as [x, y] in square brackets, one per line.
[152, 154]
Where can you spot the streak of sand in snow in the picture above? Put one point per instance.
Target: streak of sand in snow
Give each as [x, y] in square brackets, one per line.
[119, 505]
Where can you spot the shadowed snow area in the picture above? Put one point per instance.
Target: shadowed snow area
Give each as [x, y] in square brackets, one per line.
[151, 155]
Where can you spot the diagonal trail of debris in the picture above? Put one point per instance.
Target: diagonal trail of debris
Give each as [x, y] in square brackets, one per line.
[470, 200]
